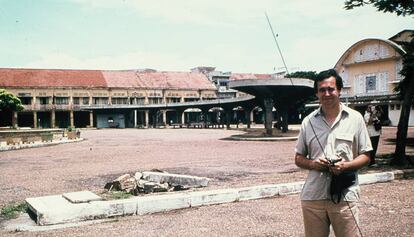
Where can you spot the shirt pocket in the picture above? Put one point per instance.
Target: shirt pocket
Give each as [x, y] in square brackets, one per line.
[343, 145]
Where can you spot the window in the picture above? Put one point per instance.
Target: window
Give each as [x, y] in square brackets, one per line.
[370, 83]
[43, 100]
[61, 100]
[76, 100]
[85, 100]
[119, 101]
[100, 100]
[137, 100]
[173, 100]
[190, 99]
[392, 106]
[155, 100]
[398, 107]
[26, 100]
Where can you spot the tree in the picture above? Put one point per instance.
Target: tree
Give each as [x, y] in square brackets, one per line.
[406, 86]
[9, 102]
[303, 74]
[400, 7]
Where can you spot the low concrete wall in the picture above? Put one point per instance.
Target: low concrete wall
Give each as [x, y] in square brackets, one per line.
[27, 136]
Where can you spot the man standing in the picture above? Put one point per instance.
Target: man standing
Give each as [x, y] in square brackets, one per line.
[332, 132]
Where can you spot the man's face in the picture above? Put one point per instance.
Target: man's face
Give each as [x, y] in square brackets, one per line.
[328, 94]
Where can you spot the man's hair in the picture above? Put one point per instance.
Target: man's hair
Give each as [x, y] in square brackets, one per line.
[325, 75]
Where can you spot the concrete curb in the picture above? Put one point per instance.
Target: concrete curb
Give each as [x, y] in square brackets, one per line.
[38, 144]
[56, 209]
[262, 139]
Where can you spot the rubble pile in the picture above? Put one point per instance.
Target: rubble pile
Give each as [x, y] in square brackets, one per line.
[155, 181]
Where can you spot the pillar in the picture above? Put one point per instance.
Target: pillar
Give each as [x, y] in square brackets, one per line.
[91, 119]
[268, 107]
[52, 119]
[164, 117]
[135, 118]
[182, 117]
[71, 119]
[228, 117]
[247, 114]
[14, 120]
[146, 122]
[34, 119]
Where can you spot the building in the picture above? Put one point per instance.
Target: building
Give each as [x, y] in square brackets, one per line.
[370, 71]
[58, 98]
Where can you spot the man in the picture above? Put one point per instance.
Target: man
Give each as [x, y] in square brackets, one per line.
[333, 131]
[371, 116]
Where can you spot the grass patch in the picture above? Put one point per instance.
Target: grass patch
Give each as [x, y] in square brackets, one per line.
[117, 195]
[13, 210]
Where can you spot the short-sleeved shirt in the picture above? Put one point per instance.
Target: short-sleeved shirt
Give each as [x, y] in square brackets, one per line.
[370, 126]
[347, 138]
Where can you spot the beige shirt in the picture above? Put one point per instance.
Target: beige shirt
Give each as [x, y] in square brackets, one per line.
[347, 138]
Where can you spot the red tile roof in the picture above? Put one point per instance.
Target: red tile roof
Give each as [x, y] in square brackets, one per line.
[174, 80]
[241, 76]
[51, 78]
[97, 78]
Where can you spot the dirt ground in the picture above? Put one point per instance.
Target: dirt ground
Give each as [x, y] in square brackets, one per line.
[387, 209]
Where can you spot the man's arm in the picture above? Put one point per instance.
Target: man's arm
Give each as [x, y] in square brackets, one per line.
[356, 164]
[320, 164]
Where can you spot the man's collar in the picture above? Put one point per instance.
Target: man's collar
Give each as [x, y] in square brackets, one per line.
[343, 109]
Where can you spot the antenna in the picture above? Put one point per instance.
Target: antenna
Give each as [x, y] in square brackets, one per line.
[278, 48]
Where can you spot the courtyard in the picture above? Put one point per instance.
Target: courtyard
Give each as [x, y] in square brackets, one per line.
[386, 209]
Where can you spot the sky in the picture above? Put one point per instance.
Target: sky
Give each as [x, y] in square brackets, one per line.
[231, 35]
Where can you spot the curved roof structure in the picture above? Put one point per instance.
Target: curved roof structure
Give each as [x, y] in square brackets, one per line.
[345, 55]
[282, 90]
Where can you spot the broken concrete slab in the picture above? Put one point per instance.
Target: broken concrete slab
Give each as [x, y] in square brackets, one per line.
[176, 179]
[56, 209]
[81, 197]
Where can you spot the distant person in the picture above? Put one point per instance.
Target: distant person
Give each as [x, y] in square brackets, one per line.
[372, 120]
[334, 132]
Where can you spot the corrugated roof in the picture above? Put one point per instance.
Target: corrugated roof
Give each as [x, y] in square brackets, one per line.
[50, 78]
[174, 80]
[242, 76]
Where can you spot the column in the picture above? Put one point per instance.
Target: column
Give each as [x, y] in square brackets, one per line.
[268, 107]
[146, 122]
[14, 120]
[71, 119]
[183, 118]
[34, 119]
[91, 119]
[247, 113]
[164, 117]
[135, 118]
[227, 113]
[52, 119]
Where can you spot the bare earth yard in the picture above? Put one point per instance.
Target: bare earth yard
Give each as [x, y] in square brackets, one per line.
[386, 209]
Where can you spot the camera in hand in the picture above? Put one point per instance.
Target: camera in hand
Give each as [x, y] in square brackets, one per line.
[333, 160]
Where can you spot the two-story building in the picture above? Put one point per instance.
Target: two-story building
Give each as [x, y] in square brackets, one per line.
[371, 70]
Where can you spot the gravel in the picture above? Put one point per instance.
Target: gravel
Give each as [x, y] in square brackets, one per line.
[386, 208]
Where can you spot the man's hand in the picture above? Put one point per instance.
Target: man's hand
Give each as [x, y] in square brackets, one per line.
[320, 164]
[338, 168]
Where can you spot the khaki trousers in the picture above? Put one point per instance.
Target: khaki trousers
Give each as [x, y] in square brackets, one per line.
[319, 215]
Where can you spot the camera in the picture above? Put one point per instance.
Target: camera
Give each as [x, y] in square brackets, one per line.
[333, 160]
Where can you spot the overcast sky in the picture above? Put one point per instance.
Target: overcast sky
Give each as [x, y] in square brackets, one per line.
[231, 35]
